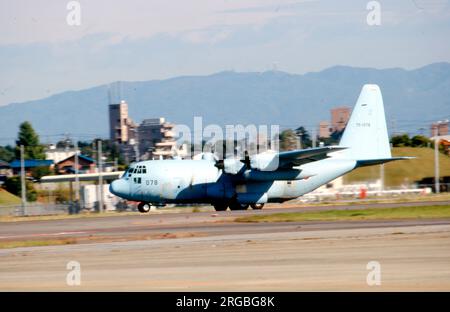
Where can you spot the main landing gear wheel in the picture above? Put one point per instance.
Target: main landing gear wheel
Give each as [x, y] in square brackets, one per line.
[238, 206]
[144, 207]
[257, 206]
[220, 207]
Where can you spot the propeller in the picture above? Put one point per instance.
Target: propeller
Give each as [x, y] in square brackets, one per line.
[220, 164]
[246, 160]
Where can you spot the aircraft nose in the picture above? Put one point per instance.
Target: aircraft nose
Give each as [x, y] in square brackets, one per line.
[119, 188]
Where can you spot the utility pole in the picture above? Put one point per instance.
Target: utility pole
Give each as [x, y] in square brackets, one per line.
[382, 177]
[314, 137]
[436, 163]
[116, 164]
[77, 179]
[100, 177]
[22, 180]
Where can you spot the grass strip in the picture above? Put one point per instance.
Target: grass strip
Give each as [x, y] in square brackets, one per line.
[414, 212]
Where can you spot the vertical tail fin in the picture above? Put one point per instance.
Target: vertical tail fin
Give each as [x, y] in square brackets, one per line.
[366, 135]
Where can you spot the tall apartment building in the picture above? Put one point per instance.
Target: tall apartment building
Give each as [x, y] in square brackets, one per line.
[340, 117]
[324, 130]
[122, 128]
[153, 138]
[439, 128]
[156, 138]
[123, 131]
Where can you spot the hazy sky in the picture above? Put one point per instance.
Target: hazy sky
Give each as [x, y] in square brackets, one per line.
[40, 54]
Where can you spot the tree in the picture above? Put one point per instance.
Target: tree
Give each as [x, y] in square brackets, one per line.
[86, 148]
[420, 141]
[334, 139]
[66, 143]
[288, 140]
[14, 186]
[30, 140]
[336, 136]
[305, 137]
[6, 153]
[39, 172]
[401, 140]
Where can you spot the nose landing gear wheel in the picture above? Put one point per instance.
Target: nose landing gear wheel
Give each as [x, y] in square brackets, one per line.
[144, 207]
[257, 206]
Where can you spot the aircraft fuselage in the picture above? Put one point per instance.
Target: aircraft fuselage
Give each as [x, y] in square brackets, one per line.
[200, 181]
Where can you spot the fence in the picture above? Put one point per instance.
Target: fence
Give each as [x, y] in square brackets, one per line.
[34, 209]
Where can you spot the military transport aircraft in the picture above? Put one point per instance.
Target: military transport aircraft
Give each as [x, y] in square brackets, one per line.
[266, 177]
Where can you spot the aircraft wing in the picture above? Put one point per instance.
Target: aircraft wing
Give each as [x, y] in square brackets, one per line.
[299, 157]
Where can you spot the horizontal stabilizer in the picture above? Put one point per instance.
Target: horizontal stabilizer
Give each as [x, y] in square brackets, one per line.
[305, 153]
[371, 162]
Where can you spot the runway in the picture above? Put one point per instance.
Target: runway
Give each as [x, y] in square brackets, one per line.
[207, 251]
[127, 227]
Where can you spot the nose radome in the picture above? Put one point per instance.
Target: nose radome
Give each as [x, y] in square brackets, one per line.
[119, 188]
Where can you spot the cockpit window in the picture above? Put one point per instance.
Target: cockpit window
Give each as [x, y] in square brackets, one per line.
[137, 169]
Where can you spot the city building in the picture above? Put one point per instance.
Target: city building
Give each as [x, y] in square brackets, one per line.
[123, 131]
[85, 165]
[446, 144]
[121, 127]
[156, 139]
[152, 139]
[439, 128]
[90, 197]
[29, 165]
[324, 129]
[57, 154]
[340, 117]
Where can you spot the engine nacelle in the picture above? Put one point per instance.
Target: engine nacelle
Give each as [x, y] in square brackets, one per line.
[267, 161]
[232, 166]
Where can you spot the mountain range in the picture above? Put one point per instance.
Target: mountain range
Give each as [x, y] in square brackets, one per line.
[413, 99]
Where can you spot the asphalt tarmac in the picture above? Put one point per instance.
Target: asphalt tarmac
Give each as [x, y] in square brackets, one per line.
[207, 251]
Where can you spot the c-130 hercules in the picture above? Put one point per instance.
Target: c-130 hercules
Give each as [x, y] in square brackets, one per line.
[265, 177]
